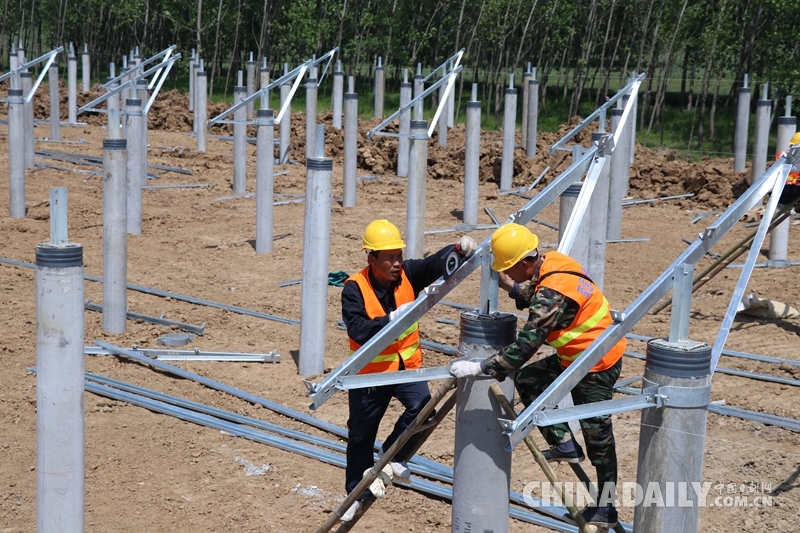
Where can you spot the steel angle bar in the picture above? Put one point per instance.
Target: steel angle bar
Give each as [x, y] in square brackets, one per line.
[363, 381]
[736, 412]
[441, 348]
[179, 186]
[158, 72]
[200, 330]
[388, 120]
[444, 64]
[489, 212]
[733, 353]
[739, 373]
[548, 417]
[144, 63]
[518, 429]
[571, 231]
[451, 80]
[462, 227]
[631, 88]
[626, 203]
[321, 392]
[130, 83]
[45, 70]
[161, 77]
[778, 179]
[216, 385]
[271, 357]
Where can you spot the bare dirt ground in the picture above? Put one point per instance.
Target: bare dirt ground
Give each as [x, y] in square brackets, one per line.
[151, 472]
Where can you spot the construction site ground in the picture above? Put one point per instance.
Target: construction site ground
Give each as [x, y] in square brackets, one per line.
[152, 472]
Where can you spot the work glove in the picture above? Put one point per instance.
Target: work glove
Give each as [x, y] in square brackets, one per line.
[466, 369]
[466, 246]
[381, 483]
[394, 314]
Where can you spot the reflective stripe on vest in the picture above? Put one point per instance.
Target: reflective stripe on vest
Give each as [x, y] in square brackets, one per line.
[407, 344]
[593, 315]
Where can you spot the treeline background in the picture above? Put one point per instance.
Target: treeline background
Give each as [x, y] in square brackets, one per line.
[695, 52]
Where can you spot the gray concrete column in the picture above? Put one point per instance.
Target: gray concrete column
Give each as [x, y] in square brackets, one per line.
[526, 78]
[316, 252]
[417, 184]
[620, 164]
[672, 437]
[761, 136]
[567, 201]
[629, 133]
[509, 140]
[403, 143]
[195, 97]
[532, 119]
[136, 165]
[59, 387]
[201, 84]
[16, 152]
[87, 73]
[451, 105]
[115, 238]
[26, 81]
[472, 157]
[419, 88]
[191, 81]
[13, 60]
[482, 465]
[741, 125]
[380, 85]
[286, 124]
[239, 142]
[336, 96]
[779, 236]
[311, 116]
[72, 89]
[598, 222]
[441, 126]
[632, 134]
[21, 54]
[251, 85]
[265, 171]
[740, 133]
[263, 74]
[55, 103]
[350, 147]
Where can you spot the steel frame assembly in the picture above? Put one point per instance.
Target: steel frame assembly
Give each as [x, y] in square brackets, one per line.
[295, 74]
[449, 78]
[47, 58]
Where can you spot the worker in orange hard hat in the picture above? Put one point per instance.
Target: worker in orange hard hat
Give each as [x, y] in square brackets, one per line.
[791, 191]
[370, 300]
[567, 311]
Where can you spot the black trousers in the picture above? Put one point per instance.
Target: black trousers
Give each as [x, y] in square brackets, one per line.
[367, 407]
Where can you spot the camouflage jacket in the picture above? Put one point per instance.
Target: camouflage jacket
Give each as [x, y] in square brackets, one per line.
[547, 309]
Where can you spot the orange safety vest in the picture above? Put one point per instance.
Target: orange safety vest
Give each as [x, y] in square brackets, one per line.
[560, 273]
[794, 174]
[407, 344]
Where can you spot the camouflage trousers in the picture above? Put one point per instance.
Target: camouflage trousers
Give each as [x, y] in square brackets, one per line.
[533, 379]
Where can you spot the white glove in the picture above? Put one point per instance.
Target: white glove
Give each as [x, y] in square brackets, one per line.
[394, 314]
[465, 369]
[382, 481]
[466, 246]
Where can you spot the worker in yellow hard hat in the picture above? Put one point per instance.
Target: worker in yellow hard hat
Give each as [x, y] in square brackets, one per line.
[370, 300]
[567, 311]
[791, 190]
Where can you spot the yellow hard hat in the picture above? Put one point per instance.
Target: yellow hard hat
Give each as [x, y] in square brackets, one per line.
[795, 139]
[382, 235]
[510, 244]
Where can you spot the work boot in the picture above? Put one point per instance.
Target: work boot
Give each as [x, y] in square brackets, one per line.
[401, 471]
[568, 452]
[351, 512]
[602, 517]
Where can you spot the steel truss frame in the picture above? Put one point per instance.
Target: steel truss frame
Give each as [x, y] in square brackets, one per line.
[449, 79]
[295, 74]
[48, 58]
